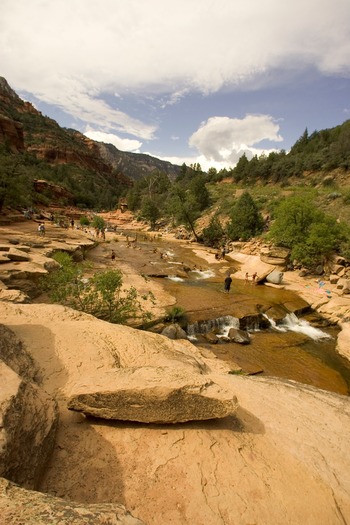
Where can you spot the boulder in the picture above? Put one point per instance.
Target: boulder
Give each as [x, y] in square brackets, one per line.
[21, 506]
[17, 255]
[239, 336]
[4, 257]
[152, 395]
[274, 255]
[29, 419]
[174, 331]
[338, 269]
[13, 296]
[275, 277]
[344, 285]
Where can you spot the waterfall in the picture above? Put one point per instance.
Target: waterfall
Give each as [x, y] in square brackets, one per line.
[222, 324]
[291, 323]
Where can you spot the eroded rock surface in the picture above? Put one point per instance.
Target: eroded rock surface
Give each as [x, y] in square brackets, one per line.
[153, 395]
[28, 417]
[19, 506]
[282, 458]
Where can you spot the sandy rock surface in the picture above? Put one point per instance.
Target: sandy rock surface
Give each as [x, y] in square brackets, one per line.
[23, 507]
[283, 458]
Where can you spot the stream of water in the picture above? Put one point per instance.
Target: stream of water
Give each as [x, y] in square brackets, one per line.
[293, 349]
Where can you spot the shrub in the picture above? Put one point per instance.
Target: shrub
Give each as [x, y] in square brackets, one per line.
[101, 295]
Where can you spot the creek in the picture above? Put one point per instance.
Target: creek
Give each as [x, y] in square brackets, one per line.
[300, 348]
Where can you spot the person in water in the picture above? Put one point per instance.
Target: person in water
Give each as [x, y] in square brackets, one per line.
[227, 283]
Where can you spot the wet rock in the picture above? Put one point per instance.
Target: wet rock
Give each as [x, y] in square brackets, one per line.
[174, 331]
[211, 338]
[239, 336]
[276, 312]
[153, 395]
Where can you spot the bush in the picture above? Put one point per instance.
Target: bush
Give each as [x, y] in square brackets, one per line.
[101, 295]
[84, 221]
[311, 235]
[176, 314]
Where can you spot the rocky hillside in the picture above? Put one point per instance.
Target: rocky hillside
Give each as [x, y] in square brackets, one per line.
[24, 128]
[135, 165]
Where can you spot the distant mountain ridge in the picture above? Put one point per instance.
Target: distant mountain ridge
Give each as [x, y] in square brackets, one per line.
[136, 165]
[24, 128]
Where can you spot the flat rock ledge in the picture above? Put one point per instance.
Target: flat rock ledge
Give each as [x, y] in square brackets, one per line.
[19, 506]
[153, 395]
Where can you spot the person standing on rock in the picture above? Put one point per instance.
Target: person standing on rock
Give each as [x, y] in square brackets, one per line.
[227, 283]
[41, 229]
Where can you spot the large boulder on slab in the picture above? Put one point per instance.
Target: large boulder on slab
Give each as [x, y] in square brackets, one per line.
[29, 419]
[153, 395]
[275, 277]
[21, 506]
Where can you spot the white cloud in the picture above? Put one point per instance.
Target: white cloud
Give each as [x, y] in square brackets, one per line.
[223, 139]
[110, 138]
[71, 53]
[165, 47]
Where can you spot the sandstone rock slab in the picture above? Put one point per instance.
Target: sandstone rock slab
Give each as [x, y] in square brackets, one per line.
[20, 506]
[153, 395]
[28, 422]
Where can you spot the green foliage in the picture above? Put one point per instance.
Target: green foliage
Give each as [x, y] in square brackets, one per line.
[214, 233]
[183, 206]
[176, 314]
[98, 222]
[199, 192]
[246, 220]
[293, 216]
[322, 150]
[15, 181]
[84, 221]
[102, 295]
[311, 235]
[150, 211]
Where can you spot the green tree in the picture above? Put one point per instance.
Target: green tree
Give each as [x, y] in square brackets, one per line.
[214, 233]
[98, 222]
[292, 220]
[15, 180]
[150, 211]
[182, 205]
[199, 192]
[246, 220]
[311, 235]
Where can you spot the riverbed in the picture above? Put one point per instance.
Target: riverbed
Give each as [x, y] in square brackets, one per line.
[298, 350]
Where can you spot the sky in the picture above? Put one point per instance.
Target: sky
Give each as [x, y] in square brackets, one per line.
[194, 81]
